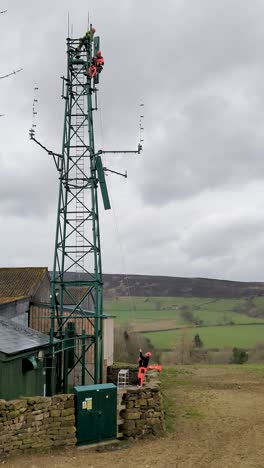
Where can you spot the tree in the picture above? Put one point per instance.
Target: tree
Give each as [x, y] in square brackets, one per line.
[11, 73]
[183, 348]
[197, 342]
[14, 71]
[187, 314]
[240, 356]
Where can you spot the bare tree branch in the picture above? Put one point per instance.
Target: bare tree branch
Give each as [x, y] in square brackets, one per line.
[10, 74]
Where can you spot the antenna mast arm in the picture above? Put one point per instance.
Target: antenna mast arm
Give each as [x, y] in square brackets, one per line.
[138, 151]
[54, 155]
[115, 172]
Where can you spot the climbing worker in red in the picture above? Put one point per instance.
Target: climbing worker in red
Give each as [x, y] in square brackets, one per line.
[99, 61]
[97, 64]
[92, 70]
[143, 362]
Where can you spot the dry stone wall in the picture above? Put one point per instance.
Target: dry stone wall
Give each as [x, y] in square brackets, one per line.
[37, 423]
[143, 414]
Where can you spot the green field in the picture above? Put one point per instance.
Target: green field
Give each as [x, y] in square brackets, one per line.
[167, 313]
[148, 309]
[245, 336]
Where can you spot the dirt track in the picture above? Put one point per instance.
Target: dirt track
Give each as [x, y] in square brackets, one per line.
[219, 423]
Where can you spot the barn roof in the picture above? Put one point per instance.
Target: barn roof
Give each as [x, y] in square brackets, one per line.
[19, 283]
[15, 338]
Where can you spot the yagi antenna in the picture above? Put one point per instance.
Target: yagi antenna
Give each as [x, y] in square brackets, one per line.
[34, 112]
[141, 127]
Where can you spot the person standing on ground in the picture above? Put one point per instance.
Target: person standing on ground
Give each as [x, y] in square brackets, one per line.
[143, 362]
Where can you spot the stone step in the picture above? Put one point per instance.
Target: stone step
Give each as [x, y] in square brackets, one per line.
[121, 391]
[121, 407]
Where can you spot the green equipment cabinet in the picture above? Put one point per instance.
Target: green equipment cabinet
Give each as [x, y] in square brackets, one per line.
[96, 410]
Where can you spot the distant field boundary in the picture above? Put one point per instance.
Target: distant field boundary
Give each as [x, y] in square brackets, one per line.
[183, 327]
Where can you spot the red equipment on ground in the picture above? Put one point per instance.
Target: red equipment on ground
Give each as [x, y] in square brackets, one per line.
[143, 370]
[155, 367]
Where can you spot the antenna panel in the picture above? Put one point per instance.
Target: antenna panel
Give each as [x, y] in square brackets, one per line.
[102, 182]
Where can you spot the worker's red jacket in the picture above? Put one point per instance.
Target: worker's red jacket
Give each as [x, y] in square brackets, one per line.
[100, 61]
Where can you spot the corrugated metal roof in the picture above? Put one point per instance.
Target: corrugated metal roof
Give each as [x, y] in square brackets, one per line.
[18, 283]
[15, 338]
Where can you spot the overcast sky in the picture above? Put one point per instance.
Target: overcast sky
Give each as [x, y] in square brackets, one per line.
[193, 203]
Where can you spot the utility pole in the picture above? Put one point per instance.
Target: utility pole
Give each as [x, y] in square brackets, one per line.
[76, 318]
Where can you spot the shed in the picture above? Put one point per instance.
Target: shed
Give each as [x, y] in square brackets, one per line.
[22, 361]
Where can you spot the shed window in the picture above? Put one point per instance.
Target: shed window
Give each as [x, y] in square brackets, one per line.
[28, 364]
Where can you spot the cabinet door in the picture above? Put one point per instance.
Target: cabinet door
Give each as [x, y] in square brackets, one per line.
[108, 403]
[87, 426]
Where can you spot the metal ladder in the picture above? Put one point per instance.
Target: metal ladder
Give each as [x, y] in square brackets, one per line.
[123, 378]
[80, 168]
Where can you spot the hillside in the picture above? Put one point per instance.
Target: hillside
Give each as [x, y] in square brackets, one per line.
[167, 286]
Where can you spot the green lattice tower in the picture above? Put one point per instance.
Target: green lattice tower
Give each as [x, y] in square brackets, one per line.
[78, 298]
[77, 287]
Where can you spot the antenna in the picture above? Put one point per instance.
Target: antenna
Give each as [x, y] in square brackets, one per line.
[12, 73]
[141, 117]
[34, 112]
[68, 24]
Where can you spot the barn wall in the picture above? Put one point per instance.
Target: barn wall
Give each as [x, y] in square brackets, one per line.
[39, 320]
[16, 311]
[109, 341]
[42, 293]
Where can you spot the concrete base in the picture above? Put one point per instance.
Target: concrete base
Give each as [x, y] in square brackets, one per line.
[97, 445]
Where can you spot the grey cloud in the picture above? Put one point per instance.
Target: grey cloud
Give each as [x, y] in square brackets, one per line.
[27, 188]
[210, 144]
[198, 66]
[218, 236]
